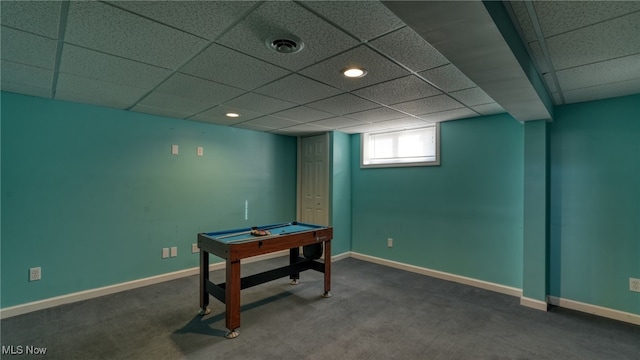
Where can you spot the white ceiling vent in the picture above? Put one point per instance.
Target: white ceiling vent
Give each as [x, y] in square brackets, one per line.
[285, 44]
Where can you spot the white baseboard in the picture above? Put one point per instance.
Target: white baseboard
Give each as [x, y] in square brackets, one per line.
[595, 310]
[534, 303]
[344, 255]
[442, 275]
[524, 301]
[112, 289]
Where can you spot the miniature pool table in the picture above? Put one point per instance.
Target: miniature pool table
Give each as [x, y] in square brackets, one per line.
[238, 244]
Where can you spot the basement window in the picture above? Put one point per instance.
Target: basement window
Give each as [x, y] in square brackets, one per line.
[413, 147]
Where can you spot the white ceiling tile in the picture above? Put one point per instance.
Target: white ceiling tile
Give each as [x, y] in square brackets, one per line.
[255, 127]
[375, 115]
[259, 103]
[173, 103]
[303, 114]
[166, 111]
[110, 46]
[275, 18]
[194, 17]
[539, 58]
[471, 97]
[343, 104]
[556, 17]
[29, 49]
[239, 70]
[399, 90]
[454, 114]
[338, 122]
[363, 19]
[301, 129]
[217, 115]
[96, 65]
[606, 40]
[196, 89]
[108, 29]
[90, 91]
[404, 123]
[409, 49]
[379, 69]
[611, 71]
[523, 20]
[621, 88]
[298, 89]
[272, 122]
[25, 89]
[26, 75]
[36, 17]
[307, 127]
[364, 128]
[448, 78]
[551, 84]
[488, 109]
[429, 105]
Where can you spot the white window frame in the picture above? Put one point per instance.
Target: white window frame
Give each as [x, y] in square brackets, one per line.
[367, 162]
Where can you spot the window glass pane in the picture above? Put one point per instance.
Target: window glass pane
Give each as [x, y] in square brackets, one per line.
[382, 147]
[411, 145]
[415, 147]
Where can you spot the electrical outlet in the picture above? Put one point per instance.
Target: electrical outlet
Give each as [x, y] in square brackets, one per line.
[35, 273]
[174, 251]
[634, 284]
[390, 242]
[194, 248]
[165, 253]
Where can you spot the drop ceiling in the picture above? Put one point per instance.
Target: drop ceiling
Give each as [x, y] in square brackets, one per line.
[426, 61]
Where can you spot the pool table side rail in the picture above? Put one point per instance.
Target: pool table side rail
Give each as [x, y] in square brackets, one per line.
[224, 233]
[263, 245]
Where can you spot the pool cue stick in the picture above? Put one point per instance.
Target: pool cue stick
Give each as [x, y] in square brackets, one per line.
[249, 232]
[234, 234]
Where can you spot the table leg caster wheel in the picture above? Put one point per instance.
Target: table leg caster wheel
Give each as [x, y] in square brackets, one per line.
[294, 282]
[232, 334]
[204, 311]
[326, 294]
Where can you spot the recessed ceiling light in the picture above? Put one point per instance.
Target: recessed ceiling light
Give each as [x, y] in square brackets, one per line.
[232, 115]
[354, 72]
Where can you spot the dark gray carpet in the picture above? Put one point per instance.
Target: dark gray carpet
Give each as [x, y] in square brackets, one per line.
[376, 312]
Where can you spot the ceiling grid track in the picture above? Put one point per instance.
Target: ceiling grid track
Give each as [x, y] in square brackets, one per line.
[62, 26]
[543, 46]
[195, 54]
[425, 61]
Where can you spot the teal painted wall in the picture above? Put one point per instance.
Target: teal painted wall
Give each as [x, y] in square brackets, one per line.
[535, 216]
[341, 192]
[92, 194]
[595, 202]
[464, 217]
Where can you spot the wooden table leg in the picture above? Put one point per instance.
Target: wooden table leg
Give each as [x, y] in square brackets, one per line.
[204, 278]
[232, 297]
[294, 253]
[327, 269]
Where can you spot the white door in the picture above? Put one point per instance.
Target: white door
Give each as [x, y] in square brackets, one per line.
[314, 180]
